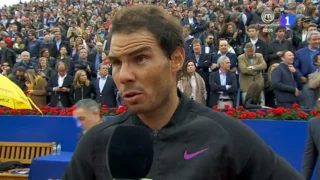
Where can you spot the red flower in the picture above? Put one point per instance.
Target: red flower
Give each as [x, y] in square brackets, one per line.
[226, 106]
[215, 107]
[295, 105]
[318, 114]
[252, 115]
[302, 115]
[121, 109]
[261, 113]
[239, 108]
[313, 112]
[63, 112]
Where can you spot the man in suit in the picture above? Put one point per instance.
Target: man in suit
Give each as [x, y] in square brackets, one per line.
[303, 63]
[311, 28]
[106, 88]
[251, 66]
[95, 56]
[261, 46]
[223, 85]
[286, 81]
[223, 47]
[311, 151]
[59, 87]
[314, 80]
[57, 44]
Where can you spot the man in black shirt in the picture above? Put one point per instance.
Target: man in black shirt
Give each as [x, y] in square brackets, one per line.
[191, 141]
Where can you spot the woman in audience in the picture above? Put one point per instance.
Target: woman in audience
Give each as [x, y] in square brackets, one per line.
[253, 97]
[46, 53]
[44, 70]
[229, 32]
[81, 88]
[192, 84]
[36, 87]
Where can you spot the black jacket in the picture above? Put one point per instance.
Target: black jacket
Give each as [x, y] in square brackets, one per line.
[230, 149]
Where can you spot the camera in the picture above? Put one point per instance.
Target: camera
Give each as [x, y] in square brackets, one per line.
[82, 66]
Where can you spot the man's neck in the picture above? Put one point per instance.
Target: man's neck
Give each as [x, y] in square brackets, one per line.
[197, 53]
[223, 70]
[279, 38]
[223, 53]
[254, 38]
[162, 115]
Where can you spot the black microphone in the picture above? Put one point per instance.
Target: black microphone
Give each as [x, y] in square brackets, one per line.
[130, 152]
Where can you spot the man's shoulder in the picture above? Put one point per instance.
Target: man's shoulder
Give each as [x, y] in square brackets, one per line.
[220, 118]
[114, 121]
[241, 57]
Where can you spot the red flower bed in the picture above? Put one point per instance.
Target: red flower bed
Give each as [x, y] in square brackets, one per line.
[279, 113]
[105, 111]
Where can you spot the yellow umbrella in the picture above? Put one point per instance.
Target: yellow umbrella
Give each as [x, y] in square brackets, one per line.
[12, 96]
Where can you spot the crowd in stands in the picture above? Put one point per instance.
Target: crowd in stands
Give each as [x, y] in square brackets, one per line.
[56, 51]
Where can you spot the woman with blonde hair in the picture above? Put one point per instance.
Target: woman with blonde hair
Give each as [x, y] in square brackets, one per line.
[81, 88]
[36, 87]
[192, 84]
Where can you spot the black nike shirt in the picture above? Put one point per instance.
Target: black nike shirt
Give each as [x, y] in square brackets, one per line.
[197, 144]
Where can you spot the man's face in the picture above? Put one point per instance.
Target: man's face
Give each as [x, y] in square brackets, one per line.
[250, 52]
[61, 69]
[25, 57]
[63, 51]
[210, 39]
[196, 47]
[103, 70]
[226, 65]
[280, 33]
[211, 28]
[252, 33]
[312, 29]
[186, 32]
[223, 46]
[99, 46]
[83, 54]
[87, 119]
[288, 58]
[142, 72]
[314, 41]
[57, 35]
[3, 44]
[20, 74]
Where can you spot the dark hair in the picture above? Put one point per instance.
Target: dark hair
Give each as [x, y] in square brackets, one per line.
[315, 58]
[254, 93]
[43, 50]
[167, 30]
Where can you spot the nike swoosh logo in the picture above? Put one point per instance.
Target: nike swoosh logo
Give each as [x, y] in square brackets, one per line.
[190, 156]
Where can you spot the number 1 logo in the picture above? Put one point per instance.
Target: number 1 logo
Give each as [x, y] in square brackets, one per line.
[288, 20]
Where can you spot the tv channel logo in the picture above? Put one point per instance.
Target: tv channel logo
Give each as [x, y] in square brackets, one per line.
[267, 16]
[288, 20]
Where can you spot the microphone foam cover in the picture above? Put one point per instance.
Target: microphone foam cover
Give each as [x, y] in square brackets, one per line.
[130, 152]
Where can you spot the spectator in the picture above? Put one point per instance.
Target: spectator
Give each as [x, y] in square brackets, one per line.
[36, 88]
[192, 84]
[223, 85]
[81, 88]
[87, 111]
[253, 97]
[286, 81]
